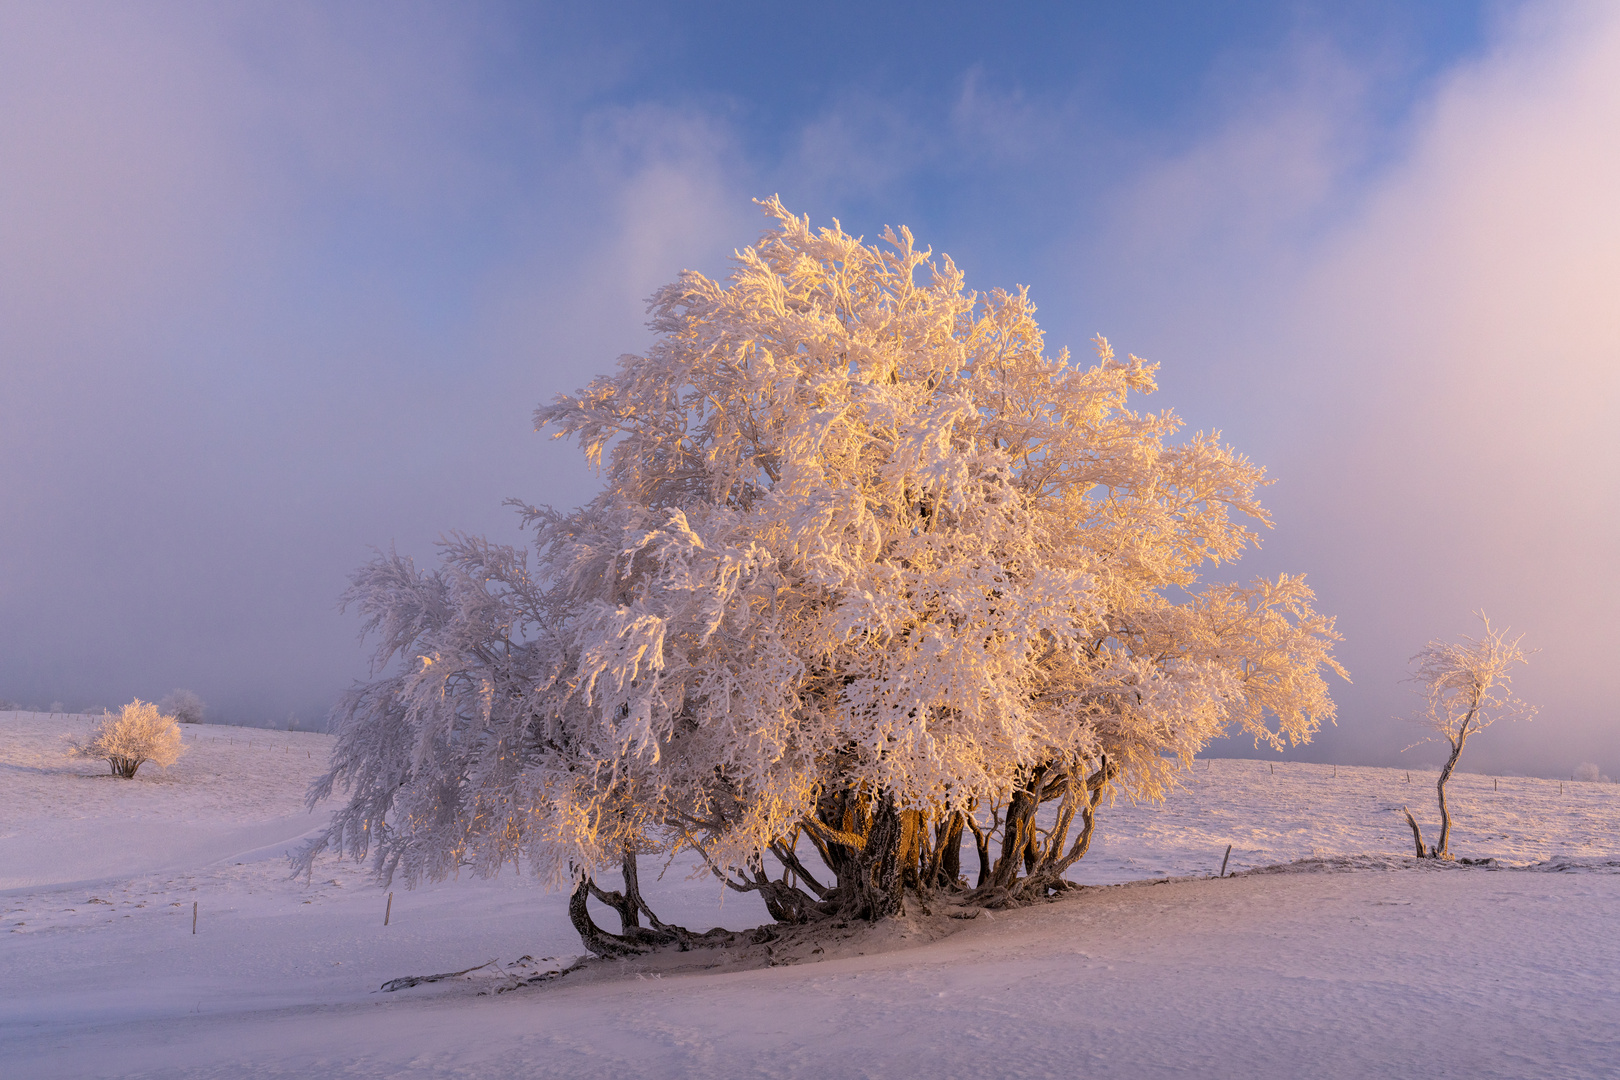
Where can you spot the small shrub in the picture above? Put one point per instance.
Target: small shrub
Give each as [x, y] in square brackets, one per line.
[137, 734]
[185, 706]
[1589, 771]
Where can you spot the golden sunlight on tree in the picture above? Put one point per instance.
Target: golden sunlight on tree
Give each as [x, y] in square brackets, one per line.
[871, 572]
[137, 734]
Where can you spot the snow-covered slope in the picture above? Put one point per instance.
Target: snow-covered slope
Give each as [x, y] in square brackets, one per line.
[1368, 966]
[1273, 813]
[233, 791]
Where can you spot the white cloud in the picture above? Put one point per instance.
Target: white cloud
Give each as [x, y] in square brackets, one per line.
[1427, 355]
[281, 283]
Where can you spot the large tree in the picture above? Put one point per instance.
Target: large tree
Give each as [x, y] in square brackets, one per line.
[870, 572]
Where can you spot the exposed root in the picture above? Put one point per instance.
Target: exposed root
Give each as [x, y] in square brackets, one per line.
[417, 980]
[525, 971]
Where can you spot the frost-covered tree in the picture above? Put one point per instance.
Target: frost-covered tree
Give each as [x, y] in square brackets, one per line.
[185, 706]
[871, 572]
[136, 734]
[1466, 687]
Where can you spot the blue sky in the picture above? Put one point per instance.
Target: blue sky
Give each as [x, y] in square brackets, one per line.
[282, 281]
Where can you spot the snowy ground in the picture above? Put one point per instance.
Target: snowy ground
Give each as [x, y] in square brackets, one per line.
[1355, 962]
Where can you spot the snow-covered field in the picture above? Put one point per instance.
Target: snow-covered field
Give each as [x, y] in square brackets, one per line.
[1354, 962]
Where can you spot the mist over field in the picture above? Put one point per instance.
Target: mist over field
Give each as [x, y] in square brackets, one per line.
[280, 284]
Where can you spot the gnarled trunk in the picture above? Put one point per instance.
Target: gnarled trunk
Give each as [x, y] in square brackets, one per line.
[632, 938]
[944, 867]
[874, 889]
[1442, 846]
[1045, 863]
[876, 851]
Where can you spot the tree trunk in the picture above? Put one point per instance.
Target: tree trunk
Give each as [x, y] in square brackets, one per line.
[789, 858]
[1016, 834]
[627, 903]
[1417, 833]
[875, 888]
[1442, 846]
[981, 841]
[633, 938]
[1055, 862]
[593, 937]
[950, 867]
[913, 844]
[1096, 787]
[946, 867]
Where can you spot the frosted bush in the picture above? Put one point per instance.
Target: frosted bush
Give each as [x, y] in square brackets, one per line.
[138, 733]
[872, 571]
[185, 706]
[1589, 771]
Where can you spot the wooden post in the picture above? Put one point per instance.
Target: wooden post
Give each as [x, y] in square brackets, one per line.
[194, 916]
[1493, 783]
[1228, 855]
[389, 910]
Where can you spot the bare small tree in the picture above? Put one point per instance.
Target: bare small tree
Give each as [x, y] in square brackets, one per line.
[137, 734]
[185, 706]
[1466, 688]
